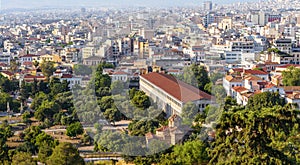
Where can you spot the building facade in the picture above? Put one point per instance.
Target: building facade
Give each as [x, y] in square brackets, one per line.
[172, 94]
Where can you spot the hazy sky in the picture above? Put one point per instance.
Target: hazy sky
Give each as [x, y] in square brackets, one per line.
[55, 3]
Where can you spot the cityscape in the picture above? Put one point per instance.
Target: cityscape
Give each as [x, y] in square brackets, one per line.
[149, 82]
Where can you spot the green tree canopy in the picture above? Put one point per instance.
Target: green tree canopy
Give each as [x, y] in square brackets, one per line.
[47, 68]
[191, 152]
[265, 99]
[23, 158]
[248, 136]
[291, 77]
[5, 133]
[189, 112]
[143, 126]
[141, 100]
[47, 110]
[65, 153]
[82, 69]
[112, 115]
[74, 129]
[38, 99]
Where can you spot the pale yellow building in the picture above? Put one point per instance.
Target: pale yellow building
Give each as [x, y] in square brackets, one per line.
[50, 57]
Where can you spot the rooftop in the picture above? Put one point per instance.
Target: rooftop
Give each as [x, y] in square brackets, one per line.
[176, 88]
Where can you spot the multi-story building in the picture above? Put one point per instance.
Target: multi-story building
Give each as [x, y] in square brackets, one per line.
[231, 81]
[284, 44]
[207, 5]
[5, 58]
[172, 94]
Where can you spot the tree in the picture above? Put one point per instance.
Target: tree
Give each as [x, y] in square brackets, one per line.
[132, 93]
[248, 136]
[26, 117]
[291, 77]
[102, 80]
[46, 110]
[189, 112]
[65, 100]
[74, 129]
[117, 87]
[45, 152]
[219, 92]
[82, 70]
[45, 138]
[47, 68]
[5, 133]
[86, 139]
[31, 133]
[265, 99]
[23, 158]
[112, 115]
[57, 87]
[106, 102]
[65, 153]
[103, 91]
[14, 66]
[24, 91]
[38, 99]
[4, 99]
[216, 76]
[191, 152]
[141, 127]
[9, 86]
[201, 75]
[141, 100]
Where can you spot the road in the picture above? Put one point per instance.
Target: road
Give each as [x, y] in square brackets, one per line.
[118, 126]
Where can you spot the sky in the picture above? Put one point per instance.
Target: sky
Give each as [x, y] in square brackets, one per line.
[7, 4]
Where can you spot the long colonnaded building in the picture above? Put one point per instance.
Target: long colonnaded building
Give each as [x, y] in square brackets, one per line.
[172, 94]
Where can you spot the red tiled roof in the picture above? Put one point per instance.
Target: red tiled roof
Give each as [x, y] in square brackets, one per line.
[29, 55]
[256, 72]
[33, 77]
[149, 135]
[263, 83]
[252, 78]
[291, 88]
[294, 95]
[257, 92]
[176, 88]
[3, 64]
[173, 70]
[7, 73]
[120, 73]
[27, 63]
[288, 65]
[66, 76]
[239, 89]
[163, 128]
[233, 79]
[238, 69]
[269, 85]
[271, 63]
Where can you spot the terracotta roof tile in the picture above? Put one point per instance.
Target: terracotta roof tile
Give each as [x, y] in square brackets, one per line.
[239, 89]
[7, 73]
[291, 88]
[255, 72]
[176, 88]
[120, 73]
[233, 79]
[66, 76]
